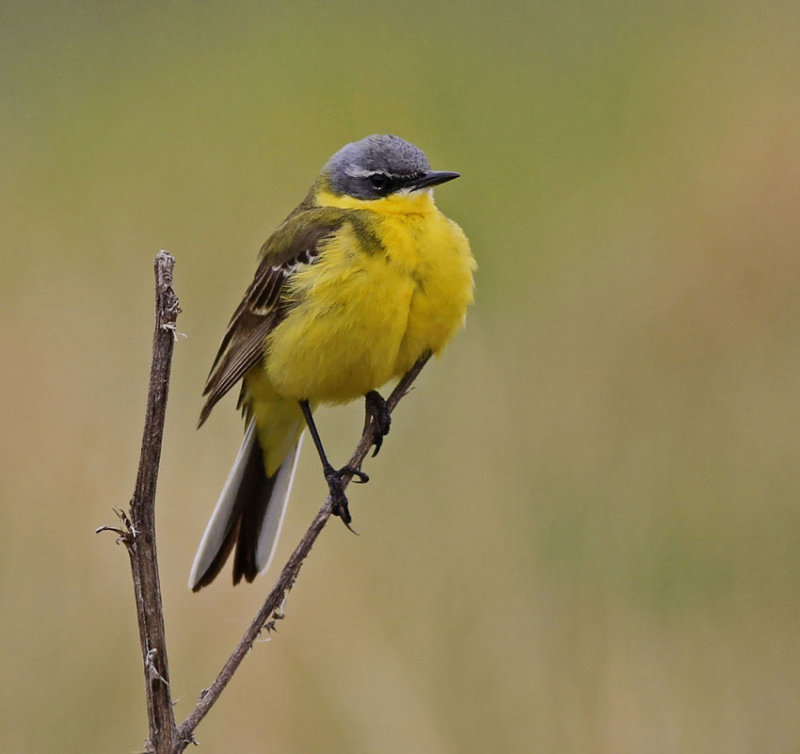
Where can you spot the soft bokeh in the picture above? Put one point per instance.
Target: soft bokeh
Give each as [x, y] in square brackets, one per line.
[583, 534]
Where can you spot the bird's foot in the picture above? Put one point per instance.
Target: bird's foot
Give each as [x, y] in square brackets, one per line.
[339, 504]
[379, 417]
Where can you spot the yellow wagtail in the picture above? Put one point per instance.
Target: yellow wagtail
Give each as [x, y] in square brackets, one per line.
[352, 288]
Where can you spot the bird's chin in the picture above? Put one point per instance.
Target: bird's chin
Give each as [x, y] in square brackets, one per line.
[409, 201]
[414, 195]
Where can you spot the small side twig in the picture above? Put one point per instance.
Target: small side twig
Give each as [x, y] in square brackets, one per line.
[272, 610]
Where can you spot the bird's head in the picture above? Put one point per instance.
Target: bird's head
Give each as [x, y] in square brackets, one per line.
[376, 168]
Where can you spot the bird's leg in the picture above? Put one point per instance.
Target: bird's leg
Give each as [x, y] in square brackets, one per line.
[333, 476]
[379, 417]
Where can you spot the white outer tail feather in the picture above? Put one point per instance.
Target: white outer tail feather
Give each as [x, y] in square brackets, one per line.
[214, 534]
[276, 510]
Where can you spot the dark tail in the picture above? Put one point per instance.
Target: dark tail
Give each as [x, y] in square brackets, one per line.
[249, 514]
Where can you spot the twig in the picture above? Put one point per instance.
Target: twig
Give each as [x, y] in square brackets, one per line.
[271, 610]
[138, 531]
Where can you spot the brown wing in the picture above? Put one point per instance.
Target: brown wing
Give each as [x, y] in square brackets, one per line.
[296, 242]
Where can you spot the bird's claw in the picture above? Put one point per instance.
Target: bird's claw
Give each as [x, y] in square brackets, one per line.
[379, 417]
[361, 476]
[339, 504]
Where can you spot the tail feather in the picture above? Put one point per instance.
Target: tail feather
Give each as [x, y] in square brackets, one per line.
[262, 518]
[249, 513]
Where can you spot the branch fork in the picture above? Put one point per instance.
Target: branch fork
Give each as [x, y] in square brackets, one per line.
[137, 533]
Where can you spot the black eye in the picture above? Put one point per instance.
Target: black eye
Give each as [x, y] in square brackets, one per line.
[379, 182]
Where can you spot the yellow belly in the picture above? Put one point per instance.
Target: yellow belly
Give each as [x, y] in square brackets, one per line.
[363, 316]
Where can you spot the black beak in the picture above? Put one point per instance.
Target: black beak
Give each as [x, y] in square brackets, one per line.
[432, 178]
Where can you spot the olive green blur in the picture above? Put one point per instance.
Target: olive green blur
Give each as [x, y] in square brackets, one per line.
[583, 533]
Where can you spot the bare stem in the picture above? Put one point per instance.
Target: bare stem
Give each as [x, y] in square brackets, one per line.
[138, 530]
[271, 610]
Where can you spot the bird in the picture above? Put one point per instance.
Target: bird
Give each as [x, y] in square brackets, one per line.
[363, 278]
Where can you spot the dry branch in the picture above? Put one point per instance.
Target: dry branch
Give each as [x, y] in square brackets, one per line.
[271, 610]
[137, 532]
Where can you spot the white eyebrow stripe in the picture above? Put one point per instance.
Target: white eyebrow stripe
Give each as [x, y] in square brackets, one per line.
[359, 172]
[356, 172]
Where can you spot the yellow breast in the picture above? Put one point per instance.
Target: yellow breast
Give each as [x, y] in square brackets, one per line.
[392, 283]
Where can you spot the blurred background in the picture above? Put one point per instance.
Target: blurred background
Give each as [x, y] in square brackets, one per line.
[583, 534]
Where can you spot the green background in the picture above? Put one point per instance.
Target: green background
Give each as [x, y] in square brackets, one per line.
[583, 534]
